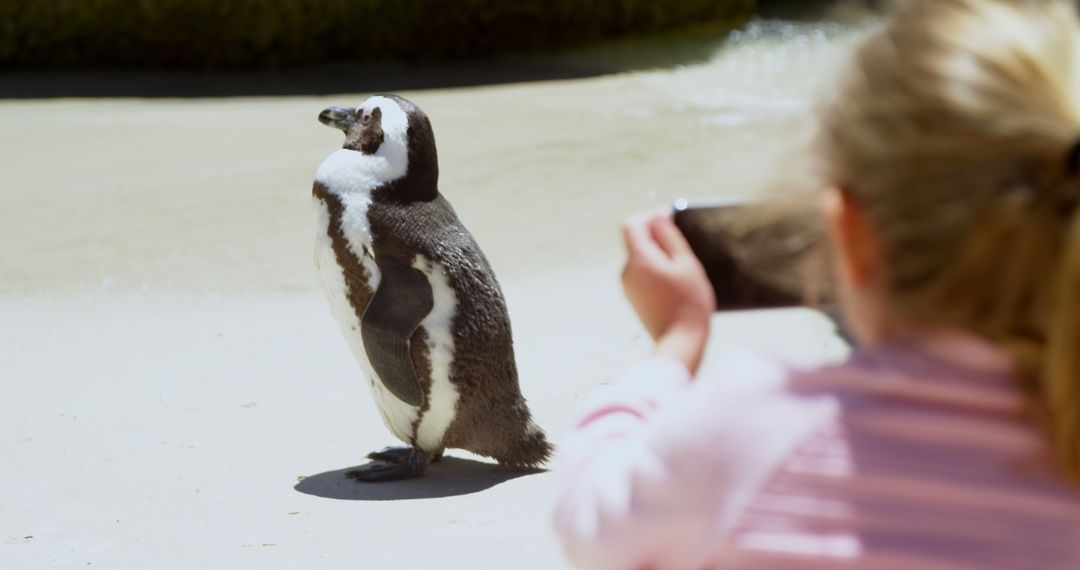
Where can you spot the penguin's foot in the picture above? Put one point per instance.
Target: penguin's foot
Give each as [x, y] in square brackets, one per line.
[400, 455]
[392, 464]
[392, 455]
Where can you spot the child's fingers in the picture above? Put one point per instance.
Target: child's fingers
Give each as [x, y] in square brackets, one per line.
[639, 239]
[668, 236]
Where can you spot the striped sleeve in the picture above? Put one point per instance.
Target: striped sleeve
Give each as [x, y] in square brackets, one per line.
[657, 463]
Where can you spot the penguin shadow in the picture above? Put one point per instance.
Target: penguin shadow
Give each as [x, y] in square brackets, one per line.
[453, 476]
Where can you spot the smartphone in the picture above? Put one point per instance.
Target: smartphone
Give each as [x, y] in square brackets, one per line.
[717, 232]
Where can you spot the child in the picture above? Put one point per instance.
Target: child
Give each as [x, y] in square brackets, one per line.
[951, 438]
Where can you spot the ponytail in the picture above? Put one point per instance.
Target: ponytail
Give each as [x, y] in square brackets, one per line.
[956, 128]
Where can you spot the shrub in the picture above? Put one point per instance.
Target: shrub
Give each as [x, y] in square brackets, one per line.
[274, 33]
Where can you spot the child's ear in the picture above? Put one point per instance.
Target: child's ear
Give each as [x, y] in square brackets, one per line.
[854, 238]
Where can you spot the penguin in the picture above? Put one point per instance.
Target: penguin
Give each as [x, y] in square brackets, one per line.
[415, 297]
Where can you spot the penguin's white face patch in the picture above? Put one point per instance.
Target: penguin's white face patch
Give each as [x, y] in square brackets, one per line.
[394, 124]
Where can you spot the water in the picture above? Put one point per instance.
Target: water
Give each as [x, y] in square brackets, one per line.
[211, 195]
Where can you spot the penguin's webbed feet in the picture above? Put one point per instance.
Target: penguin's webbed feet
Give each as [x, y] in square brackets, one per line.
[392, 455]
[392, 464]
[400, 455]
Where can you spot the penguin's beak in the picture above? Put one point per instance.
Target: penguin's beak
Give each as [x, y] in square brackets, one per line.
[338, 117]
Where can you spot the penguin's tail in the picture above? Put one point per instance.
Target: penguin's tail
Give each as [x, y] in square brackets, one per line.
[527, 445]
[532, 450]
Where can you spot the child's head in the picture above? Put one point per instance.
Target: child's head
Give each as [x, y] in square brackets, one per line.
[952, 146]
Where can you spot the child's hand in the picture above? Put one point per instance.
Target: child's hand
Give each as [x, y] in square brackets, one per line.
[667, 287]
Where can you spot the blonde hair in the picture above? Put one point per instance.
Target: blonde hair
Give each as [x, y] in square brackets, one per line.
[956, 130]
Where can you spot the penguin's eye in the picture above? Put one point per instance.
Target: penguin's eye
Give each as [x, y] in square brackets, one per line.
[365, 119]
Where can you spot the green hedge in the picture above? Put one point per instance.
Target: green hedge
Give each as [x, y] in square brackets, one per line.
[271, 33]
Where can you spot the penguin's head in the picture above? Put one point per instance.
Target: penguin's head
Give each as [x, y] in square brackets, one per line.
[390, 127]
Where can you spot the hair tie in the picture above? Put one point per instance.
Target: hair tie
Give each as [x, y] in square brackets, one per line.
[1072, 160]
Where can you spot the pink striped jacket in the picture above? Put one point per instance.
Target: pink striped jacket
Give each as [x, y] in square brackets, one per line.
[905, 457]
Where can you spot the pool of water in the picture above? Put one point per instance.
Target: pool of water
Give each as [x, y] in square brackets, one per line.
[211, 195]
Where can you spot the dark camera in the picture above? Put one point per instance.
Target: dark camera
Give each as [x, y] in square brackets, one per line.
[718, 233]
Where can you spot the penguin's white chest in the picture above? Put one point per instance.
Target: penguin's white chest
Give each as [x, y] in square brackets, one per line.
[408, 423]
[398, 416]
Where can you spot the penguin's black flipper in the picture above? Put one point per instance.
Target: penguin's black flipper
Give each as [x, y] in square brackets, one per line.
[400, 303]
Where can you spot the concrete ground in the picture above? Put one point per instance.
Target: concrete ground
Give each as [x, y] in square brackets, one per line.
[214, 433]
